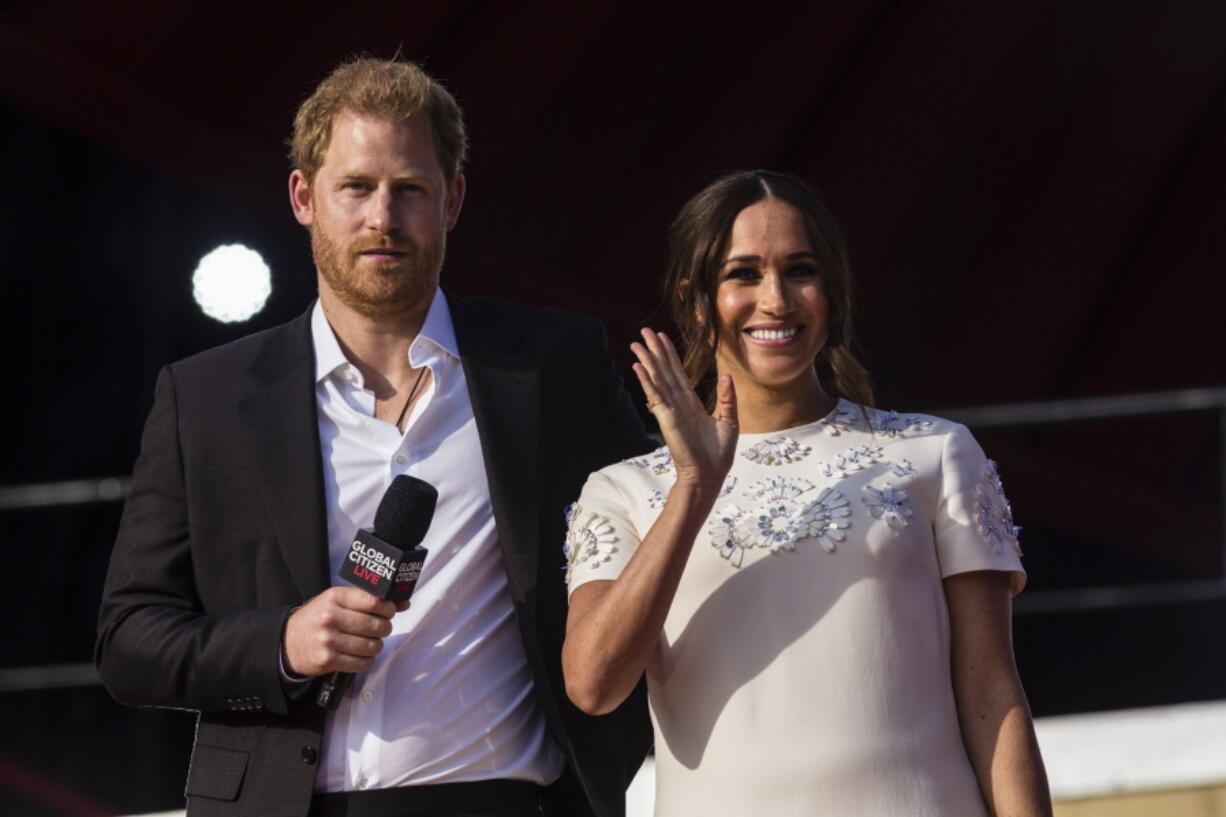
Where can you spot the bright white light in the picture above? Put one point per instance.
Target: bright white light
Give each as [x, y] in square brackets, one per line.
[231, 283]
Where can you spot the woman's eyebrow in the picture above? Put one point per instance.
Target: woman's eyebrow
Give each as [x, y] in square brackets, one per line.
[755, 259]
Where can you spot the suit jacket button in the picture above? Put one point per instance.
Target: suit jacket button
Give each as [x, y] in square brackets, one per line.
[309, 755]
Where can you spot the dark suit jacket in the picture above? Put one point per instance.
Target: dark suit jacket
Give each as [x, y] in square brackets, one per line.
[225, 532]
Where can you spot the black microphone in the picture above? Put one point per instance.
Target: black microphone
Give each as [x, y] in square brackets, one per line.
[387, 561]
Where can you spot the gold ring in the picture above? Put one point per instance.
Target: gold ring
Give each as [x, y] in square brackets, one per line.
[650, 406]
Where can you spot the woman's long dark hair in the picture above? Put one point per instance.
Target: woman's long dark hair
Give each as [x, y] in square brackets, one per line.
[697, 243]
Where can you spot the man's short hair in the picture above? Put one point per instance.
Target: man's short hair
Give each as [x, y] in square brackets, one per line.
[385, 88]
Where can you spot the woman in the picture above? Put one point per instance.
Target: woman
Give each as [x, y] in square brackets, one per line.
[818, 591]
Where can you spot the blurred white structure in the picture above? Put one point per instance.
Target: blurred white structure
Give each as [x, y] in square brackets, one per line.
[231, 283]
[1098, 754]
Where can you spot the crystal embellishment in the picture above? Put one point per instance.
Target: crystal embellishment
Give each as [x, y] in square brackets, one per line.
[893, 424]
[851, 461]
[784, 518]
[839, 421]
[887, 503]
[778, 526]
[993, 516]
[778, 488]
[903, 468]
[724, 528]
[825, 519]
[776, 451]
[590, 539]
[659, 462]
[656, 499]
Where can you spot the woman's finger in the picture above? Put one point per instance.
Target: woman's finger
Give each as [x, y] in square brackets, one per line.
[649, 362]
[672, 366]
[725, 400]
[654, 358]
[649, 388]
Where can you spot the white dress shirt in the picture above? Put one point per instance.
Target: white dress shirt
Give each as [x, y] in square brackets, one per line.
[450, 697]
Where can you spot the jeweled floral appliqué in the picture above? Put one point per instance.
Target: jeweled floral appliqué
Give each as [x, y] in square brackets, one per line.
[658, 462]
[851, 461]
[727, 537]
[728, 486]
[788, 514]
[839, 421]
[777, 488]
[779, 525]
[903, 468]
[825, 519]
[893, 424]
[590, 539]
[887, 503]
[776, 451]
[656, 499]
[993, 516]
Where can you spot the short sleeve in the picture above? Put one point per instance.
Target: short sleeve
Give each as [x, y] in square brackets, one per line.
[600, 539]
[974, 524]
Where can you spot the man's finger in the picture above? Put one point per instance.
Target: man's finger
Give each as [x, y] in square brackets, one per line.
[353, 598]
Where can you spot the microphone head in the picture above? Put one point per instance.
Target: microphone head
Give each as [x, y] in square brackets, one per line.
[405, 512]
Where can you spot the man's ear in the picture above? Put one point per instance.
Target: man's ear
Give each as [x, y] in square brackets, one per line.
[455, 199]
[300, 198]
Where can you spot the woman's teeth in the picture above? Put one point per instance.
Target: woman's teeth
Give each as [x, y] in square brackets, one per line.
[772, 334]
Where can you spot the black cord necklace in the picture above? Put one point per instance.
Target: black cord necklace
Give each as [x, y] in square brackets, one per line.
[409, 399]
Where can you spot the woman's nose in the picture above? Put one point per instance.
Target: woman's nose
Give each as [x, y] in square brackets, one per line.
[775, 297]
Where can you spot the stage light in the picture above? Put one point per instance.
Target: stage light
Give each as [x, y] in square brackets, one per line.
[231, 283]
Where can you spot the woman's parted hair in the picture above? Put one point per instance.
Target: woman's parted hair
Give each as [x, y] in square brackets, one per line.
[374, 87]
[697, 244]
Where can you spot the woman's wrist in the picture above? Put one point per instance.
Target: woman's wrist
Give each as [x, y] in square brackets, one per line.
[695, 490]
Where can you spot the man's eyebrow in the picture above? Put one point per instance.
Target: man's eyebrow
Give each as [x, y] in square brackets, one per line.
[754, 259]
[411, 176]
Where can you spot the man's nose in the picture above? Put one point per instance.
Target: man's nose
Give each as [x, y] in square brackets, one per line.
[381, 211]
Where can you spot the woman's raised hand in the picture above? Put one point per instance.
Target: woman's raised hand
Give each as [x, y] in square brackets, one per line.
[702, 444]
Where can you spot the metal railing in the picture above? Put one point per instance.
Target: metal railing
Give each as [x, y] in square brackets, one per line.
[1048, 412]
[1054, 412]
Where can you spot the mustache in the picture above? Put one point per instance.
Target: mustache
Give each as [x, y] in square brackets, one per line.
[386, 244]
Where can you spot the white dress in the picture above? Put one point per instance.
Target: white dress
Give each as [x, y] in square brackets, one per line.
[803, 668]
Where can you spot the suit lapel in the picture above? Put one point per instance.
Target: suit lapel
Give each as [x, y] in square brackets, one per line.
[505, 392]
[283, 434]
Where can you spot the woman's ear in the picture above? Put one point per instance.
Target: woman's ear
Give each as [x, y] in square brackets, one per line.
[683, 292]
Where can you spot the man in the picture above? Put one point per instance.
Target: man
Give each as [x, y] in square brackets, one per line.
[261, 458]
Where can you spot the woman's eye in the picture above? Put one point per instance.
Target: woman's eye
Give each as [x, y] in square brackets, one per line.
[743, 274]
[802, 271]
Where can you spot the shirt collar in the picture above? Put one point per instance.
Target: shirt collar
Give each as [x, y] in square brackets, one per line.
[437, 329]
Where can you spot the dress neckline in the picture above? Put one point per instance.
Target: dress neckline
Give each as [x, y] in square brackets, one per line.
[842, 405]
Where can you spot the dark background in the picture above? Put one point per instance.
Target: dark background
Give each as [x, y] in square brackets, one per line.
[1032, 192]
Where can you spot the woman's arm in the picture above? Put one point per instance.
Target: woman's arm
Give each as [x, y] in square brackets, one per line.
[613, 627]
[997, 729]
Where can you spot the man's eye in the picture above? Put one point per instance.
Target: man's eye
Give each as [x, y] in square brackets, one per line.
[358, 186]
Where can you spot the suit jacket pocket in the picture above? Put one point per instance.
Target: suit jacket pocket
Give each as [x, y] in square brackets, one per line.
[216, 773]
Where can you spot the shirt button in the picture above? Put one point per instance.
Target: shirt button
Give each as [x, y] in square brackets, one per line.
[360, 782]
[367, 696]
[309, 755]
[401, 459]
